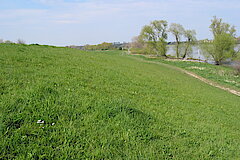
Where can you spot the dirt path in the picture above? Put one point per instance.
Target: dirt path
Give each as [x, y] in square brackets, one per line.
[235, 92]
[212, 83]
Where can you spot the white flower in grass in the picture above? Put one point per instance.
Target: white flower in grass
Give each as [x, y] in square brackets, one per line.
[53, 124]
[40, 122]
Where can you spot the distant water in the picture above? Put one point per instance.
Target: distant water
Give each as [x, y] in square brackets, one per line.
[196, 53]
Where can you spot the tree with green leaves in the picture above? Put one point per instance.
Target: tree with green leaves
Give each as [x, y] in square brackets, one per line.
[178, 31]
[224, 42]
[218, 27]
[155, 36]
[221, 48]
[105, 46]
[190, 36]
[8, 42]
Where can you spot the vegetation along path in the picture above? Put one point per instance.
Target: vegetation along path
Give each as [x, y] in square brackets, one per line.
[198, 77]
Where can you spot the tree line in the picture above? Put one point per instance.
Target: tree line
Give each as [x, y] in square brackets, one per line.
[153, 40]
[106, 46]
[19, 41]
[102, 46]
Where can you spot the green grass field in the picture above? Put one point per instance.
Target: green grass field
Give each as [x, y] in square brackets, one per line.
[106, 105]
[224, 75]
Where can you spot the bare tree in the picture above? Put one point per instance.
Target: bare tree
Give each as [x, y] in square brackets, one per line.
[20, 41]
[136, 42]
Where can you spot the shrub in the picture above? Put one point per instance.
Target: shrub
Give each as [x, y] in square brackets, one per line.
[8, 42]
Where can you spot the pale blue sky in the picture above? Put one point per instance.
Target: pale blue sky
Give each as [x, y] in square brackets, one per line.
[79, 22]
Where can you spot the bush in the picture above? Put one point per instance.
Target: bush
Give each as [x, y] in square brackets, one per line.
[8, 42]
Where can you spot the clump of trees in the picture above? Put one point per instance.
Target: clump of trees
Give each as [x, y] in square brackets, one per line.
[222, 47]
[19, 41]
[153, 39]
[107, 46]
[6, 41]
[102, 46]
[180, 33]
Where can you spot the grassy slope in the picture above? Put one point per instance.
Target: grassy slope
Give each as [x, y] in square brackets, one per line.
[107, 105]
[223, 75]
